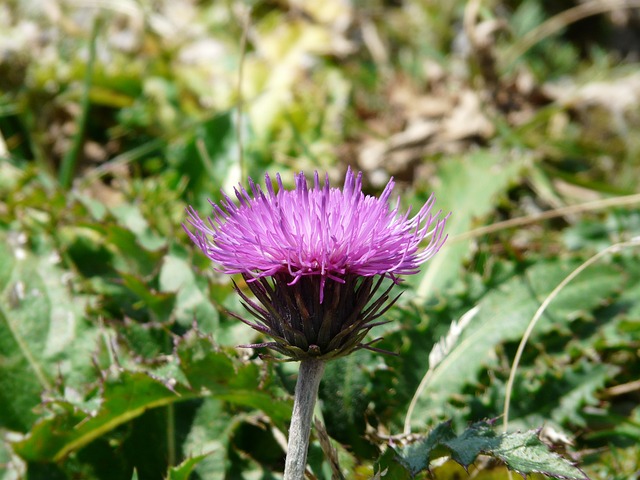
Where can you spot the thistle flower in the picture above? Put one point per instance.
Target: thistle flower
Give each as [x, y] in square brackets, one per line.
[316, 258]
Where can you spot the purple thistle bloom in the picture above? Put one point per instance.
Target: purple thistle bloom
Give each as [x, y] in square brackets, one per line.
[310, 256]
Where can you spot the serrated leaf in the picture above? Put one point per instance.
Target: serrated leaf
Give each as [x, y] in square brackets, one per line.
[522, 452]
[504, 316]
[125, 396]
[580, 385]
[526, 454]
[417, 456]
[472, 442]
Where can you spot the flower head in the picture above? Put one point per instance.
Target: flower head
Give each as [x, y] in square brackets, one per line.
[311, 255]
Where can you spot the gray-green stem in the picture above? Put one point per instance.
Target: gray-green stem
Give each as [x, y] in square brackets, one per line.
[309, 377]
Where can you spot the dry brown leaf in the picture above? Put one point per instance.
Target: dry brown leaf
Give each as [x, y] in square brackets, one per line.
[330, 453]
[435, 124]
[618, 96]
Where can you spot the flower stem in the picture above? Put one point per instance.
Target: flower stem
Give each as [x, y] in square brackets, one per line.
[309, 376]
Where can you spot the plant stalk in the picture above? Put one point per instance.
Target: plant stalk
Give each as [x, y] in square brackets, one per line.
[70, 159]
[309, 377]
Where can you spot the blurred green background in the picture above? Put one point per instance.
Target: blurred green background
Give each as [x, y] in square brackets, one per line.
[117, 356]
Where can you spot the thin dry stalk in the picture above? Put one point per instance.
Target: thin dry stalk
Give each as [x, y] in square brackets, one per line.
[622, 389]
[547, 301]
[562, 20]
[558, 212]
[471, 10]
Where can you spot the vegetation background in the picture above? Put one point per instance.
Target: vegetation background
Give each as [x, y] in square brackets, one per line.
[117, 359]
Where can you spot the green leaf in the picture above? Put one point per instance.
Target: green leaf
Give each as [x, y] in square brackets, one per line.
[183, 471]
[132, 255]
[504, 315]
[417, 456]
[132, 221]
[526, 454]
[387, 467]
[592, 288]
[125, 396]
[526, 17]
[106, 248]
[468, 189]
[12, 467]
[209, 439]
[522, 452]
[345, 392]
[476, 439]
[177, 276]
[159, 304]
[579, 386]
[209, 154]
[207, 368]
[43, 333]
